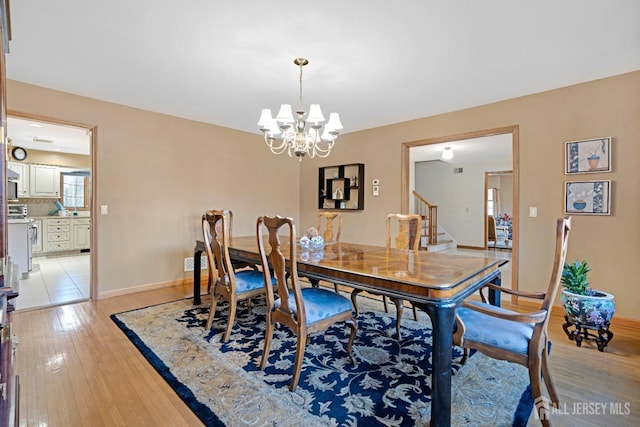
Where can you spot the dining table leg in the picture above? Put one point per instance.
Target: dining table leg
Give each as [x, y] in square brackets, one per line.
[442, 318]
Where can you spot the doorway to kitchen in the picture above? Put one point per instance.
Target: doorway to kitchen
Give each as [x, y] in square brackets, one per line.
[56, 188]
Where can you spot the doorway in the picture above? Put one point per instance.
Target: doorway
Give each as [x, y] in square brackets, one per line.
[478, 220]
[499, 209]
[58, 187]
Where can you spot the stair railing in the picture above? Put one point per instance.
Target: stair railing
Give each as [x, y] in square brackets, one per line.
[429, 213]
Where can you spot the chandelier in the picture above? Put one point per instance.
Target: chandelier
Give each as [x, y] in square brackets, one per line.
[286, 133]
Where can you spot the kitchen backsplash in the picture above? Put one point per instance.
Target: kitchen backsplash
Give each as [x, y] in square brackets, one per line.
[39, 207]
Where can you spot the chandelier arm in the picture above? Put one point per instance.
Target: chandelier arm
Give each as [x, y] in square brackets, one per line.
[275, 149]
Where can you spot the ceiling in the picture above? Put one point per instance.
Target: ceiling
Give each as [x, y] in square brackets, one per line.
[36, 135]
[375, 62]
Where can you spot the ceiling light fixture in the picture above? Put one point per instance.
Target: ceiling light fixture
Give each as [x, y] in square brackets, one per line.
[284, 133]
[447, 153]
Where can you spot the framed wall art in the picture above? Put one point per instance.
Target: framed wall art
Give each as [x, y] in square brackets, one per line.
[587, 197]
[588, 156]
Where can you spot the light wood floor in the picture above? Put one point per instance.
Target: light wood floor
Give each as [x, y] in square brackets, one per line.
[78, 369]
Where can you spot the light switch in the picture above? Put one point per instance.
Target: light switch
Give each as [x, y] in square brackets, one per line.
[375, 182]
[104, 209]
[533, 211]
[376, 190]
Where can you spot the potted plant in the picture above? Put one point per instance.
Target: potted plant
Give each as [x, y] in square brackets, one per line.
[585, 308]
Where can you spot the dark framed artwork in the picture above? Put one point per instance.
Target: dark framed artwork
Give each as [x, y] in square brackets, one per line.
[341, 187]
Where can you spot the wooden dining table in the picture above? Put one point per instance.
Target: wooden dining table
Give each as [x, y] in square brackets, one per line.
[435, 282]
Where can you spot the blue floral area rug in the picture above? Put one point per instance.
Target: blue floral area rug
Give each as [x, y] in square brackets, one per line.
[389, 386]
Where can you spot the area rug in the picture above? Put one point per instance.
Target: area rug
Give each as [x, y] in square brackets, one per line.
[389, 386]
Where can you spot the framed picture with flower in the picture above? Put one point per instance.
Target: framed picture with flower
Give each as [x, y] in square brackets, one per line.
[588, 156]
[587, 197]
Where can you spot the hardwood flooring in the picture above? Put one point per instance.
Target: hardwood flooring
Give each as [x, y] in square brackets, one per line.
[78, 369]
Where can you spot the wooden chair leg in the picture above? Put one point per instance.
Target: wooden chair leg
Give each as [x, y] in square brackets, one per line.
[297, 366]
[267, 342]
[212, 311]
[230, 320]
[536, 387]
[546, 374]
[465, 356]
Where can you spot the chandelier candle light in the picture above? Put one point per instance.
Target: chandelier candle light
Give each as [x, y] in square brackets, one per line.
[284, 133]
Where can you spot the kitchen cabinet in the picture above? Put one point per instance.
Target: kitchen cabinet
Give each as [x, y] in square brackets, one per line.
[81, 233]
[58, 235]
[23, 181]
[44, 181]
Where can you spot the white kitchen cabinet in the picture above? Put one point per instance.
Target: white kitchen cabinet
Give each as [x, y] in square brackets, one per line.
[81, 233]
[44, 181]
[58, 234]
[23, 181]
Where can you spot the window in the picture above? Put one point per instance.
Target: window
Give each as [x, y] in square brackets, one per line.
[490, 202]
[75, 190]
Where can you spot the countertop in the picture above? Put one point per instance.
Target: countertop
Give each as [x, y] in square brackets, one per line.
[59, 217]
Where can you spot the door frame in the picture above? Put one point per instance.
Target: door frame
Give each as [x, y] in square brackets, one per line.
[93, 253]
[514, 131]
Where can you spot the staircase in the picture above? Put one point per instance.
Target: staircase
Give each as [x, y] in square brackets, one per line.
[433, 237]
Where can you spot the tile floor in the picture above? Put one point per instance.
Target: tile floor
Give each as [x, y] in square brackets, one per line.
[55, 280]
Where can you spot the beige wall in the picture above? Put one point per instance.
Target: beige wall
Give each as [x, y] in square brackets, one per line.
[158, 174]
[155, 172]
[608, 107]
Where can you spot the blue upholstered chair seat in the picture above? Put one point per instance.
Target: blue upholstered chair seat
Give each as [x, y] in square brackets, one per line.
[249, 280]
[499, 333]
[319, 304]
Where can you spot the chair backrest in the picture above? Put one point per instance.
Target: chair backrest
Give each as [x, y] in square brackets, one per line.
[274, 261]
[491, 228]
[332, 226]
[216, 229]
[409, 227]
[563, 227]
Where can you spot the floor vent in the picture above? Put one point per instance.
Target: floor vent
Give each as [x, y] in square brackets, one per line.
[188, 263]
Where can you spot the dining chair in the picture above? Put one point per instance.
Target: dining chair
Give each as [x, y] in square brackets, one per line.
[492, 231]
[514, 336]
[303, 310]
[408, 228]
[331, 228]
[235, 263]
[227, 283]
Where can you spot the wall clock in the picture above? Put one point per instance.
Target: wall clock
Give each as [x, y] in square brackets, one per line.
[19, 153]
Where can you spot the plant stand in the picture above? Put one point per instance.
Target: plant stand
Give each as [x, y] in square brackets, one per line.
[581, 332]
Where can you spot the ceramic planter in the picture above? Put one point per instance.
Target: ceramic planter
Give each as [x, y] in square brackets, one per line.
[589, 311]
